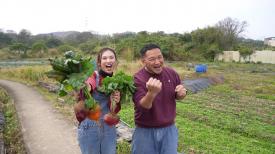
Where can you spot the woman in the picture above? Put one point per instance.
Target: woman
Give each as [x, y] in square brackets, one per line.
[96, 137]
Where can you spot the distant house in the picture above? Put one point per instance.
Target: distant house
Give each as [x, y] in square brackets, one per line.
[270, 41]
[265, 56]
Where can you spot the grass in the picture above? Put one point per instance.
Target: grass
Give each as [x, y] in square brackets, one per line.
[234, 117]
[230, 118]
[12, 129]
[26, 74]
[123, 148]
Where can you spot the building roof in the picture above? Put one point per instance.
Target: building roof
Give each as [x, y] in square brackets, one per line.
[270, 38]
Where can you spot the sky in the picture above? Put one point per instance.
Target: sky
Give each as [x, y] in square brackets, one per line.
[114, 16]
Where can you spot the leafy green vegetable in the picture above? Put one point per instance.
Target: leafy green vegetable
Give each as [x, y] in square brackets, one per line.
[121, 82]
[71, 71]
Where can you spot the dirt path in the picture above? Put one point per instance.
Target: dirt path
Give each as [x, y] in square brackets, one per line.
[44, 130]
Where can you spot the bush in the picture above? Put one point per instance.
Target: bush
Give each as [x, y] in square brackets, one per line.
[259, 62]
[64, 48]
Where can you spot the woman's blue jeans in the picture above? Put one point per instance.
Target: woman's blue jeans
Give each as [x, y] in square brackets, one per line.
[96, 139]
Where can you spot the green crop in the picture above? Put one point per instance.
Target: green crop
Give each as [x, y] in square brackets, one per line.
[121, 82]
[71, 71]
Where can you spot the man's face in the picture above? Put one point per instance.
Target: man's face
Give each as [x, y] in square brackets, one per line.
[153, 61]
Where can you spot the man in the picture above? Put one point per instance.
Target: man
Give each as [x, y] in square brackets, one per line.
[157, 88]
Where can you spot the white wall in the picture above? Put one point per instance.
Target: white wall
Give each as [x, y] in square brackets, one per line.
[265, 56]
[228, 56]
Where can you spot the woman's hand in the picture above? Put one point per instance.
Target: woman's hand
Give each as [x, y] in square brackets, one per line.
[88, 86]
[115, 96]
[79, 106]
[80, 111]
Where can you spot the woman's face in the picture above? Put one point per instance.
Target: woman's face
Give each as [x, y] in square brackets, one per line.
[108, 61]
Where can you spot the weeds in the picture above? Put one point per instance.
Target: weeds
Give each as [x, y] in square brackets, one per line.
[13, 138]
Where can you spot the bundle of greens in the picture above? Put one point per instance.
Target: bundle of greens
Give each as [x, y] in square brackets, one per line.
[71, 71]
[125, 85]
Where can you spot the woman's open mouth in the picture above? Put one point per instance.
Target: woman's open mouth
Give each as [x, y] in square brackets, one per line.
[109, 65]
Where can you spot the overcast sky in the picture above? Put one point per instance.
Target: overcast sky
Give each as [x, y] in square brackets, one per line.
[110, 16]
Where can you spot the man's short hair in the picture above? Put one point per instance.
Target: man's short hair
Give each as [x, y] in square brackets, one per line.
[148, 47]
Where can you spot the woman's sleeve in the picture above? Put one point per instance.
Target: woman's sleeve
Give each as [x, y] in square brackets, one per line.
[92, 81]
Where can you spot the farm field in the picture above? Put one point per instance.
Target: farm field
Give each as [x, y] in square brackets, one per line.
[234, 117]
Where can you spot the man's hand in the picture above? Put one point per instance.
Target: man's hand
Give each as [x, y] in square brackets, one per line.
[181, 91]
[153, 86]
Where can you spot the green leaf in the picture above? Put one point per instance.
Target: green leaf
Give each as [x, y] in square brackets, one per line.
[120, 81]
[71, 71]
[62, 93]
[90, 103]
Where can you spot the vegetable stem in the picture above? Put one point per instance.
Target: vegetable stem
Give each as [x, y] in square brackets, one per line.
[113, 106]
[87, 93]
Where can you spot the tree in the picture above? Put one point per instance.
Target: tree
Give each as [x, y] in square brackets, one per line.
[87, 47]
[5, 40]
[186, 37]
[84, 37]
[12, 35]
[39, 47]
[245, 51]
[206, 42]
[126, 34]
[65, 47]
[255, 44]
[125, 46]
[24, 37]
[20, 48]
[230, 29]
[53, 42]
